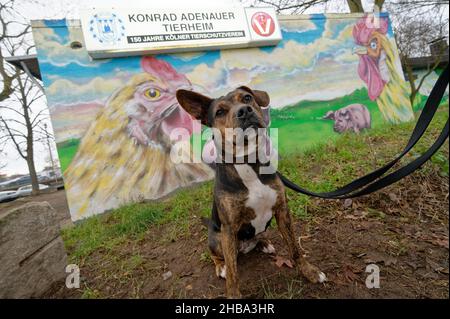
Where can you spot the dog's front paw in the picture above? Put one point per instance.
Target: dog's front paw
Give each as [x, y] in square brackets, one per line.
[322, 277]
[266, 246]
[221, 271]
[268, 249]
[235, 295]
[312, 273]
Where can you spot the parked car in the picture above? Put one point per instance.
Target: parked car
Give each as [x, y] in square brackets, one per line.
[15, 183]
[26, 190]
[7, 196]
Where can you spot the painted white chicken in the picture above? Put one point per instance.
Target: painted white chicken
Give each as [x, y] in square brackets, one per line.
[125, 154]
[379, 69]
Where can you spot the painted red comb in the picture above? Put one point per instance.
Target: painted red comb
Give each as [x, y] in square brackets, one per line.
[366, 25]
[161, 69]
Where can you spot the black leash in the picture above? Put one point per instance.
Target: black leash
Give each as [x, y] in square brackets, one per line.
[427, 114]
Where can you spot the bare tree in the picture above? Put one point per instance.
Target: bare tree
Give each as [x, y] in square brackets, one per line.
[435, 61]
[424, 6]
[414, 31]
[417, 85]
[289, 6]
[20, 124]
[356, 6]
[15, 39]
[300, 6]
[2, 161]
[417, 23]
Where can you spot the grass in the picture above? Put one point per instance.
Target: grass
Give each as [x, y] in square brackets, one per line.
[132, 221]
[290, 289]
[320, 168]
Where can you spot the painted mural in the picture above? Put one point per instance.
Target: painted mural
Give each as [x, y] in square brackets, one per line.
[112, 118]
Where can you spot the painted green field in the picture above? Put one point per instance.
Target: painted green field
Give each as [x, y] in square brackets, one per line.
[66, 151]
[300, 126]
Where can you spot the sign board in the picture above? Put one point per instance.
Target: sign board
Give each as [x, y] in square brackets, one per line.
[112, 32]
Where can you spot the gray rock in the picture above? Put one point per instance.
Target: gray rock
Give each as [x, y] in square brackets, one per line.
[32, 255]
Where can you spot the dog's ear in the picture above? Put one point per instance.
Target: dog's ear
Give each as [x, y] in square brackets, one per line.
[195, 104]
[261, 97]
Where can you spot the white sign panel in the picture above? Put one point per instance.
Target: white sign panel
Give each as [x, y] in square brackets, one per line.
[112, 32]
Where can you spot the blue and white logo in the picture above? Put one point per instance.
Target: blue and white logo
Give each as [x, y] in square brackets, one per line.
[106, 28]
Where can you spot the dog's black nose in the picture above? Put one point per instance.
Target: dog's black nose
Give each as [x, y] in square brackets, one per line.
[244, 111]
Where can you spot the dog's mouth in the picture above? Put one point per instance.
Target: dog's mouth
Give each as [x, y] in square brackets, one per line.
[250, 123]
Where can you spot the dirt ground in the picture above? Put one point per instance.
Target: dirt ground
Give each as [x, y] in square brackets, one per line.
[402, 229]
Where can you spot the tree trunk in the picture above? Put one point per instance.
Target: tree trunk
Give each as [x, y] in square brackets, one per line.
[32, 171]
[412, 98]
[411, 80]
[355, 6]
[6, 79]
[379, 4]
[30, 139]
[30, 155]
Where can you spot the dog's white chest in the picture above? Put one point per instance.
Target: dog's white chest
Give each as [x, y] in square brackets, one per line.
[261, 198]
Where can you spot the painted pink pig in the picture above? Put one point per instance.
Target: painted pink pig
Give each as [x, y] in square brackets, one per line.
[354, 117]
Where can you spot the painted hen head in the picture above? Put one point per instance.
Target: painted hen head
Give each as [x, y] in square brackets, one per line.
[153, 110]
[368, 33]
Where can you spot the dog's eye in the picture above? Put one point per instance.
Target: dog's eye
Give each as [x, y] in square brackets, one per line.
[220, 112]
[247, 98]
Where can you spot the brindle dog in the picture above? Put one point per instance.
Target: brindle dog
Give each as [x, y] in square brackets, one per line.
[244, 199]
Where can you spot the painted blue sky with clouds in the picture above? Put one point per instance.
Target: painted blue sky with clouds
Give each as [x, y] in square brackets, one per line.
[108, 68]
[313, 62]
